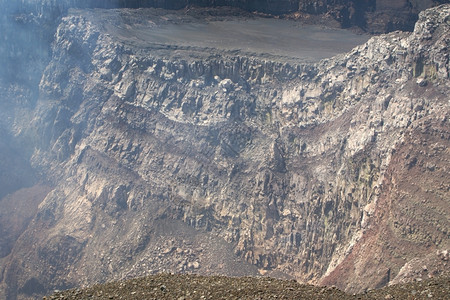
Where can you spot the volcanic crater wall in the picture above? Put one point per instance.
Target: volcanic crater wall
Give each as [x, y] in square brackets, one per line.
[285, 162]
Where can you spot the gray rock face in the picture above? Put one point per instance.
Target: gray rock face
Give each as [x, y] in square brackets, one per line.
[281, 161]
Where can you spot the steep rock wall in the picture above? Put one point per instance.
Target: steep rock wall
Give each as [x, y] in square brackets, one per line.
[413, 203]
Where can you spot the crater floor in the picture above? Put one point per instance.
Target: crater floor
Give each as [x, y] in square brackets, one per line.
[242, 34]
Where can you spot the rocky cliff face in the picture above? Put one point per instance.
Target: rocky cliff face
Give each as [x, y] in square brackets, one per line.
[178, 159]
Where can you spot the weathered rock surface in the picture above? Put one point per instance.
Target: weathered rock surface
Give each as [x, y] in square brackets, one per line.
[161, 156]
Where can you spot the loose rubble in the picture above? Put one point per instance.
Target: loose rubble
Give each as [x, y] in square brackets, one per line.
[169, 286]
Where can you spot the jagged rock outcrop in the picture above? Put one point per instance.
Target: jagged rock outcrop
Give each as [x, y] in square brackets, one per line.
[292, 165]
[34, 22]
[412, 206]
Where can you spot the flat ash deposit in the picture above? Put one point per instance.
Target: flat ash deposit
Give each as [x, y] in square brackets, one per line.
[239, 34]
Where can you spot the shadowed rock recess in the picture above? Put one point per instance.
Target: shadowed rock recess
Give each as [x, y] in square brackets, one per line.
[146, 154]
